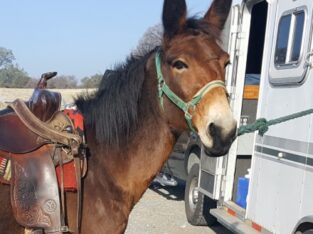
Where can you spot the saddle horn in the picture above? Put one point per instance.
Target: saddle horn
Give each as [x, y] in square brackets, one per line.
[42, 84]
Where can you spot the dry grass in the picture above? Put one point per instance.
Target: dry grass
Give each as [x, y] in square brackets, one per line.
[2, 105]
[9, 95]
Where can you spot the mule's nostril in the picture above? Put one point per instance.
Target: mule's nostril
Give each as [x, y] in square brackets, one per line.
[212, 129]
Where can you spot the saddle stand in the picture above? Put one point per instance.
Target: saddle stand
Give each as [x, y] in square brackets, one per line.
[36, 137]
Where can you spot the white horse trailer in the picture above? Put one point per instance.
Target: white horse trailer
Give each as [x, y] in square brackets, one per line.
[270, 41]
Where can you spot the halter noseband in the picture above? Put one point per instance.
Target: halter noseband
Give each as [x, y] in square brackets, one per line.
[164, 89]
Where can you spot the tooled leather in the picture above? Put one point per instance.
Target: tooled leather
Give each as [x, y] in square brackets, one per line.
[34, 190]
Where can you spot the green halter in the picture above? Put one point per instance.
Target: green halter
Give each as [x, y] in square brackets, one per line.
[164, 89]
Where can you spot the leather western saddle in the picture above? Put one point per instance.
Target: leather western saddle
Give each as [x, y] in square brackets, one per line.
[35, 136]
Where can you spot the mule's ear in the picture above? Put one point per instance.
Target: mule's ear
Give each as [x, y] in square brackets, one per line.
[174, 17]
[218, 12]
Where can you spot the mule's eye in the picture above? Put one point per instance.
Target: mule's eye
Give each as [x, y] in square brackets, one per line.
[178, 64]
[227, 63]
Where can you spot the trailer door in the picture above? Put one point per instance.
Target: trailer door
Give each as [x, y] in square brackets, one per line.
[212, 169]
[276, 189]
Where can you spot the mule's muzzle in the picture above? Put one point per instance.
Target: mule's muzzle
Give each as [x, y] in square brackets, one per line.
[221, 141]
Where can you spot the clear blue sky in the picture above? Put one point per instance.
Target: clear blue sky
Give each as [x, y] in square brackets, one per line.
[76, 37]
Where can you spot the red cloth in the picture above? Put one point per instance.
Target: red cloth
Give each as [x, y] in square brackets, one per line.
[69, 176]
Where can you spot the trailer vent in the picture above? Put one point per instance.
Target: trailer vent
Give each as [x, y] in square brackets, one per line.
[207, 181]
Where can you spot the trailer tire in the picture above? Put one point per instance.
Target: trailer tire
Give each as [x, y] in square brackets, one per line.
[305, 228]
[197, 205]
[193, 158]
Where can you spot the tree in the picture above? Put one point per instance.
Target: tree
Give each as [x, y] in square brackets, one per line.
[62, 82]
[91, 81]
[150, 39]
[6, 57]
[12, 76]
[32, 83]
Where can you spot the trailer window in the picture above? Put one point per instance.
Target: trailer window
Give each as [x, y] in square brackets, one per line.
[282, 40]
[296, 47]
[289, 39]
[292, 40]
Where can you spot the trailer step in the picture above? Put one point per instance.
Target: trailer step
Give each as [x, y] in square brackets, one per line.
[231, 222]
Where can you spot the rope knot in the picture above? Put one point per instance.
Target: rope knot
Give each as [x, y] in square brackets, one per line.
[260, 124]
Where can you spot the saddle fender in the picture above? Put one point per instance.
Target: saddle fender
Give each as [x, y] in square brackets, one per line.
[34, 190]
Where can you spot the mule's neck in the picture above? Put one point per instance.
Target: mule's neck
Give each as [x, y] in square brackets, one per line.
[117, 178]
[134, 165]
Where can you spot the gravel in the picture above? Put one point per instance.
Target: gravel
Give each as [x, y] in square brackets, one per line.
[162, 211]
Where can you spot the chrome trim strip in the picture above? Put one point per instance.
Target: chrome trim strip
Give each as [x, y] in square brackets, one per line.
[284, 162]
[285, 155]
[286, 144]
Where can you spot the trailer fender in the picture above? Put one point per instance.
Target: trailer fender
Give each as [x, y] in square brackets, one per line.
[305, 225]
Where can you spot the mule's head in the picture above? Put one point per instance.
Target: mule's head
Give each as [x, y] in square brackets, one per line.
[191, 61]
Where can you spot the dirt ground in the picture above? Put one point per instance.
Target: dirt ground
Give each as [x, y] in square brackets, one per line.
[162, 211]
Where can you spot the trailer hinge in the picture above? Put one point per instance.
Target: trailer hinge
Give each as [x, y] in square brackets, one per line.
[232, 93]
[239, 36]
[223, 185]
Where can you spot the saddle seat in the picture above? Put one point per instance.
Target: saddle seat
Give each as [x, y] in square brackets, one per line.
[15, 137]
[44, 103]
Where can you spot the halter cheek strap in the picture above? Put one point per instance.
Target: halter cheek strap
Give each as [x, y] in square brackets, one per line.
[184, 106]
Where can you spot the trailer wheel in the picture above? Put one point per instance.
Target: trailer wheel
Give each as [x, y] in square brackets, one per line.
[305, 228]
[197, 205]
[193, 158]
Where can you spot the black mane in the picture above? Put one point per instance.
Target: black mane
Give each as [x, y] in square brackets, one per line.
[114, 111]
[195, 25]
